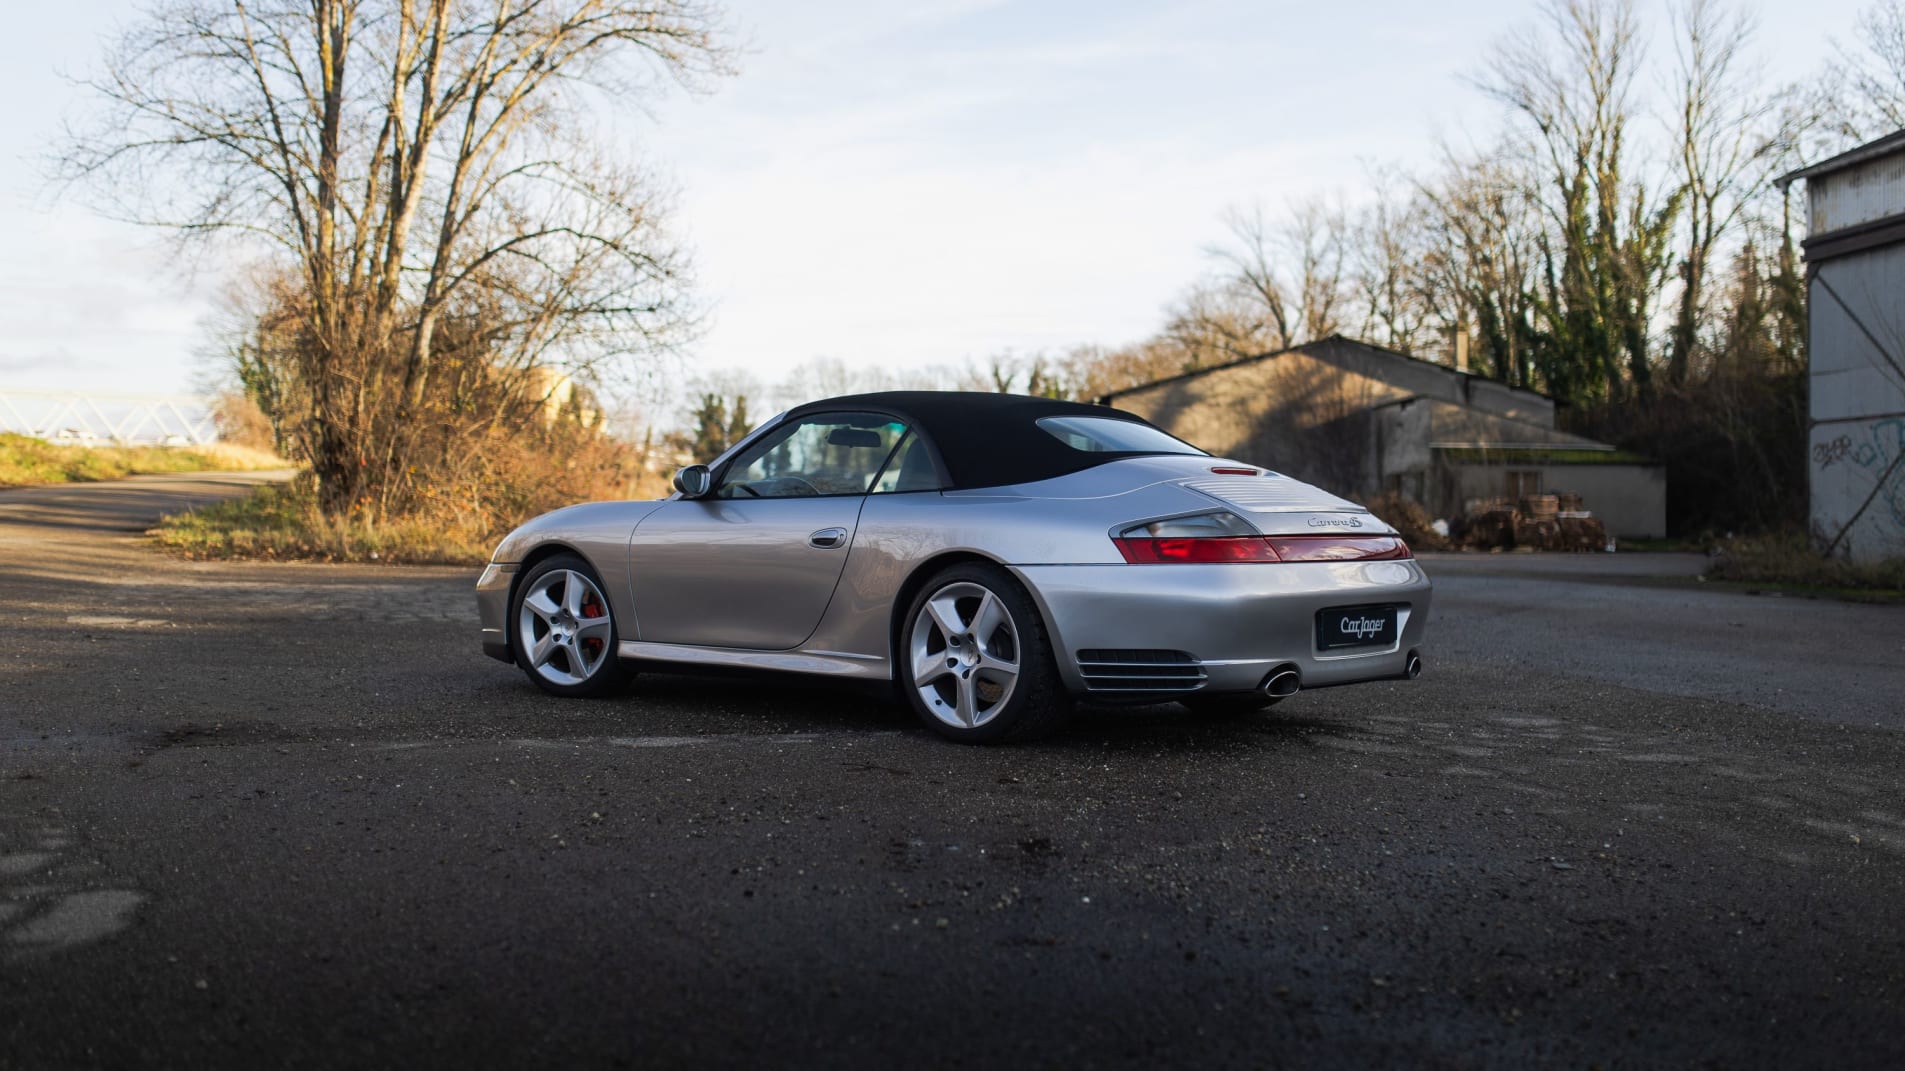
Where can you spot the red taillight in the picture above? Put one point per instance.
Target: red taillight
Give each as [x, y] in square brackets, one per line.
[1339, 548]
[1324, 548]
[1218, 549]
[1223, 471]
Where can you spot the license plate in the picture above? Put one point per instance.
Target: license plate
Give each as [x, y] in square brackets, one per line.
[1340, 627]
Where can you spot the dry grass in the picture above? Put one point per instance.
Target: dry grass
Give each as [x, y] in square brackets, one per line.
[1789, 562]
[455, 522]
[26, 462]
[281, 522]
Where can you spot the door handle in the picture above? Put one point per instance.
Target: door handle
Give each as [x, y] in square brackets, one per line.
[828, 538]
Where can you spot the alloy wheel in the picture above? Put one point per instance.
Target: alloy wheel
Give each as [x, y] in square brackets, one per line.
[964, 654]
[564, 627]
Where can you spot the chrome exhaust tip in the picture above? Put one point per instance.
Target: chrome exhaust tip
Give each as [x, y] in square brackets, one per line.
[1283, 681]
[1412, 668]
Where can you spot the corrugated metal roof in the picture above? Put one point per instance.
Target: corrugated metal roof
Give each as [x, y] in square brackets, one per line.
[1316, 348]
[1870, 150]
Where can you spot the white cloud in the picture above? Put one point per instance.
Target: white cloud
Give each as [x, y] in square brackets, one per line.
[890, 183]
[81, 296]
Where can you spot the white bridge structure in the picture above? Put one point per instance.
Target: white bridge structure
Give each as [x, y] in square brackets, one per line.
[96, 418]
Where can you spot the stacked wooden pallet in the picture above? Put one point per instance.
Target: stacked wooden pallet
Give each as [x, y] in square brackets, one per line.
[1537, 522]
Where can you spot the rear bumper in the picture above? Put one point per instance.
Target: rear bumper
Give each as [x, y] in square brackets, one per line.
[492, 608]
[1237, 622]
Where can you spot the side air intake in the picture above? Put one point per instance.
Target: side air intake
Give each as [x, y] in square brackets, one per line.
[1140, 671]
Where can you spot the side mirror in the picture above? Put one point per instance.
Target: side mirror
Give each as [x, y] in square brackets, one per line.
[694, 481]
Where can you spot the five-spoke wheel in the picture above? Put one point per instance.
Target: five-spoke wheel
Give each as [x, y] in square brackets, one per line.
[975, 662]
[564, 633]
[964, 654]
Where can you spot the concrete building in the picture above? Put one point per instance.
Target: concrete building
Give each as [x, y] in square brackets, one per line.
[1360, 420]
[557, 394]
[1855, 288]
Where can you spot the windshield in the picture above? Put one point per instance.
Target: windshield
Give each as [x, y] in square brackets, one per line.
[1109, 435]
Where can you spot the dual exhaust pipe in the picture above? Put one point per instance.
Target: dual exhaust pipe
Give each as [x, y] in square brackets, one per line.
[1286, 680]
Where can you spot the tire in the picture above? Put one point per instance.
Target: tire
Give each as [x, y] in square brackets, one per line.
[1229, 705]
[560, 613]
[974, 660]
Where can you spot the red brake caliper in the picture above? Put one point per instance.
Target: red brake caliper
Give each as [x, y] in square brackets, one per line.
[592, 609]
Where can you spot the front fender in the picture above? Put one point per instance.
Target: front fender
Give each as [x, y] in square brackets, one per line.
[598, 531]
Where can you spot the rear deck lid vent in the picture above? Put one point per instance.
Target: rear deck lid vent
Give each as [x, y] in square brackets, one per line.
[1273, 494]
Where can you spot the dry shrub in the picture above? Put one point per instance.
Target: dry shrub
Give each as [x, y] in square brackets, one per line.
[241, 422]
[455, 516]
[1790, 561]
[1408, 517]
[513, 477]
[1734, 446]
[282, 522]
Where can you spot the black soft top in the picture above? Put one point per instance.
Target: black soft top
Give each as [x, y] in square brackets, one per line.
[985, 439]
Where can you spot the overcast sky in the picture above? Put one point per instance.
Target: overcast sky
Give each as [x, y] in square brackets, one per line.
[890, 184]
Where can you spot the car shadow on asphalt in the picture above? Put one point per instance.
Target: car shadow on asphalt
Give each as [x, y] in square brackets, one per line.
[1147, 726]
[800, 705]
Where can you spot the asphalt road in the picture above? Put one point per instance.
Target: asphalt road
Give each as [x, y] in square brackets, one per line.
[257, 815]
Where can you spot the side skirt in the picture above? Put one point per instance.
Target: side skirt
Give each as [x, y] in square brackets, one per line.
[819, 663]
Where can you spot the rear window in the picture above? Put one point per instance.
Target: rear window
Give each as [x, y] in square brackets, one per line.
[1109, 435]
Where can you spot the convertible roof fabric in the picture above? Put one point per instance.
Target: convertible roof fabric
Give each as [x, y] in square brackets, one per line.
[985, 440]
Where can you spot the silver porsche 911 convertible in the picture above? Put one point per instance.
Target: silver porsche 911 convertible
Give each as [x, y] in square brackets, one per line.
[994, 557]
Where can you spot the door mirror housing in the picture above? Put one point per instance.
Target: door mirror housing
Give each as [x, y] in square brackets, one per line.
[694, 481]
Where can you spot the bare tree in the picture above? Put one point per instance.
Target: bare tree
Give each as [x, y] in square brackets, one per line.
[1569, 78]
[1008, 372]
[1295, 272]
[1316, 233]
[1862, 91]
[1252, 265]
[1214, 322]
[1386, 256]
[821, 377]
[1091, 372]
[1723, 149]
[1480, 266]
[427, 168]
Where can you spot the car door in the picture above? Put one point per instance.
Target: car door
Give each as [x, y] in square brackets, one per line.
[753, 564]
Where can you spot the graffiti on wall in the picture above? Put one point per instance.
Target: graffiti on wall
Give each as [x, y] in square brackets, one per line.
[1827, 454]
[1876, 455]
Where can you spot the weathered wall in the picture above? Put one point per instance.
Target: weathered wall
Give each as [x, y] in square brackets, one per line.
[1502, 400]
[1293, 413]
[1405, 430]
[1862, 193]
[1408, 435]
[1858, 402]
[1426, 380]
[1347, 418]
[1631, 500]
[1454, 425]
